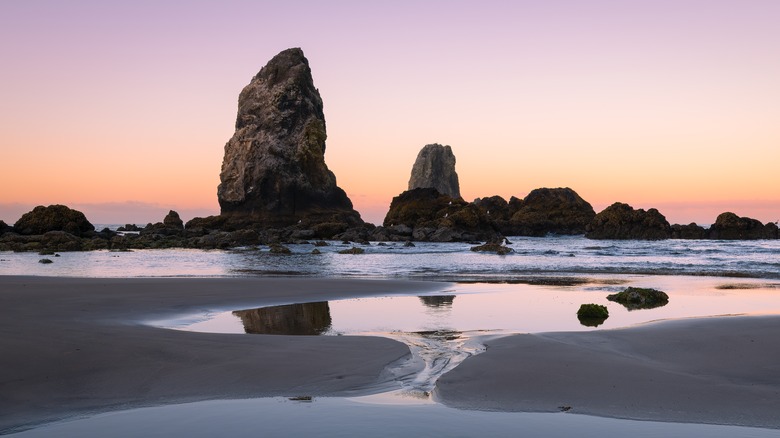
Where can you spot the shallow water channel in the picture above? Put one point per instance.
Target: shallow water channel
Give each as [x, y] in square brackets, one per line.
[444, 329]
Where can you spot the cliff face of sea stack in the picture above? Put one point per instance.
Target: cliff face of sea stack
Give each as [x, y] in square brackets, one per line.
[274, 172]
[435, 168]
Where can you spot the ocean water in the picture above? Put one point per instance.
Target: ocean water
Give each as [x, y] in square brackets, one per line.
[532, 257]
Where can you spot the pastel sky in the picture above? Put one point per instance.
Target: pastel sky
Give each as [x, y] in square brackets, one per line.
[122, 109]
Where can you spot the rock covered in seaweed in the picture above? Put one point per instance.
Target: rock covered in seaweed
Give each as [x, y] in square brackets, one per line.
[435, 168]
[690, 231]
[430, 216]
[556, 211]
[729, 226]
[493, 247]
[171, 225]
[53, 218]
[274, 172]
[634, 298]
[621, 221]
[592, 315]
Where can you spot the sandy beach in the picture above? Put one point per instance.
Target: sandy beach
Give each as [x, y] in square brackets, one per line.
[79, 346]
[74, 347]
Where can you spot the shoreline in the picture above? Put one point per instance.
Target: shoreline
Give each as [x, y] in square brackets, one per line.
[80, 346]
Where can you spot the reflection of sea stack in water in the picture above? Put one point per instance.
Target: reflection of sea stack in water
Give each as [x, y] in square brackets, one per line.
[274, 172]
[435, 168]
[292, 319]
[438, 301]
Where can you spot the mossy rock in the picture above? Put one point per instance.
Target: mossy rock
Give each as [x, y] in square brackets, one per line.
[53, 218]
[316, 251]
[593, 311]
[592, 315]
[45, 261]
[634, 298]
[276, 248]
[493, 247]
[353, 250]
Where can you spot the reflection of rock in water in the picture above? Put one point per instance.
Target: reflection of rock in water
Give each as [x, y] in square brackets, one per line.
[292, 319]
[438, 301]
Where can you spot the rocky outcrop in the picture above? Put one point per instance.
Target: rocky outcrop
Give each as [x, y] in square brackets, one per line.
[493, 247]
[172, 220]
[550, 211]
[621, 221]
[690, 231]
[61, 241]
[424, 214]
[4, 228]
[129, 227]
[496, 208]
[274, 172]
[729, 226]
[53, 218]
[435, 168]
[171, 225]
[634, 298]
[592, 315]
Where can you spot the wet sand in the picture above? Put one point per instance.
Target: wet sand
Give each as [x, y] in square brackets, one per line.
[719, 370]
[79, 346]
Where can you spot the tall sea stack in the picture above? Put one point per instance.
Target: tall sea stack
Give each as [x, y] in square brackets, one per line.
[274, 172]
[435, 168]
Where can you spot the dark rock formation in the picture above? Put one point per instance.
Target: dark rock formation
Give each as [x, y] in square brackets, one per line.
[729, 226]
[493, 247]
[621, 221]
[4, 228]
[172, 220]
[171, 225]
[432, 216]
[690, 231]
[276, 248]
[129, 227]
[61, 241]
[53, 218]
[273, 171]
[496, 208]
[354, 251]
[550, 211]
[435, 168]
[634, 298]
[592, 315]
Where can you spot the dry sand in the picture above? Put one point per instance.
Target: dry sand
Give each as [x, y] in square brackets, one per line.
[77, 346]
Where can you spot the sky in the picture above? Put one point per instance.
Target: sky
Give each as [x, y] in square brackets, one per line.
[122, 109]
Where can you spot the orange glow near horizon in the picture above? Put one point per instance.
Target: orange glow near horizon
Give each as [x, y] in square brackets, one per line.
[657, 104]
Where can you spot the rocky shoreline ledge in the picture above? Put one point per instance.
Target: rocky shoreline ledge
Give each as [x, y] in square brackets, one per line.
[59, 228]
